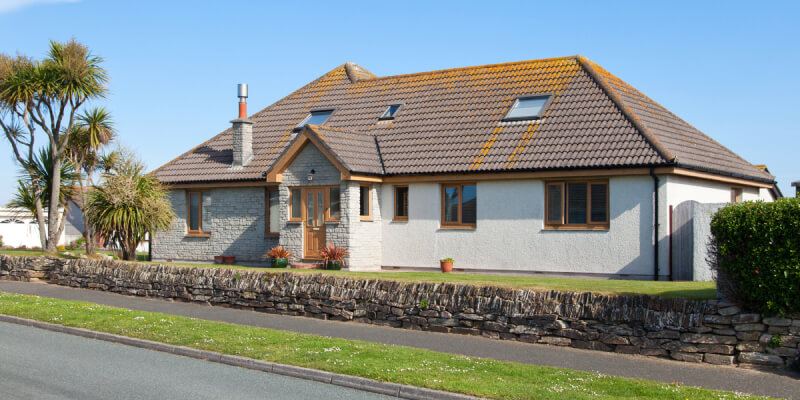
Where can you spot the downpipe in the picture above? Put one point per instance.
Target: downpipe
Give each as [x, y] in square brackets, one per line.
[655, 223]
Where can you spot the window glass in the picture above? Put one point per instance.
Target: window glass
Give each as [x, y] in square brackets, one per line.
[364, 201]
[315, 118]
[451, 204]
[576, 203]
[335, 206]
[401, 202]
[530, 107]
[469, 197]
[599, 209]
[391, 111]
[554, 204]
[297, 207]
[274, 211]
[194, 211]
[320, 208]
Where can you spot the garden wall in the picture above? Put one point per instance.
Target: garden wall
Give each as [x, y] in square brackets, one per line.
[686, 330]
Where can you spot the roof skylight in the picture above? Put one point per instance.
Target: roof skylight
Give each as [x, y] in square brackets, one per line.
[527, 108]
[391, 111]
[314, 118]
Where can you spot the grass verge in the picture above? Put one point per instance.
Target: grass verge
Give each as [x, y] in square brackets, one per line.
[680, 289]
[423, 368]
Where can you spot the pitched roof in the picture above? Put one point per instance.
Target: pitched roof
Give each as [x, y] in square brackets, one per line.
[452, 122]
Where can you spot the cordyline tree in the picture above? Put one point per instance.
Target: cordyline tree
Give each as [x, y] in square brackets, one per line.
[42, 166]
[47, 95]
[93, 130]
[128, 205]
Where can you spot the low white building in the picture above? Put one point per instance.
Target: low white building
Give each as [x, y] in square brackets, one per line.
[548, 166]
[19, 228]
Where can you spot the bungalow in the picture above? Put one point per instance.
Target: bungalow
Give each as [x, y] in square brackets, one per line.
[548, 166]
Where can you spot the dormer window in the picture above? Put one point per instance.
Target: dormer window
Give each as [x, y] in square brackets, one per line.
[528, 107]
[391, 111]
[314, 118]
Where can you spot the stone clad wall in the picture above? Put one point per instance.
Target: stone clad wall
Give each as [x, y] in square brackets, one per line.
[686, 330]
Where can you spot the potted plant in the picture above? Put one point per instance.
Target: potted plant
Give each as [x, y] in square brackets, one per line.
[446, 264]
[333, 256]
[279, 257]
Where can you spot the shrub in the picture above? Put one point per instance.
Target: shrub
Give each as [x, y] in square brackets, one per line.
[755, 251]
[279, 252]
[333, 253]
[448, 259]
[60, 248]
[1, 240]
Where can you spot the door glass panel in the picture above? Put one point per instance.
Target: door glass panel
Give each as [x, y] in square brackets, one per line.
[451, 204]
[469, 199]
[320, 208]
[554, 204]
[599, 203]
[274, 210]
[194, 211]
[576, 203]
[310, 210]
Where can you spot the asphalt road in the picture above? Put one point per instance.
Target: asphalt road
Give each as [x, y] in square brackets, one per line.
[775, 384]
[38, 364]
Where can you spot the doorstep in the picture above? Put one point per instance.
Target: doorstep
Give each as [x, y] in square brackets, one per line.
[307, 264]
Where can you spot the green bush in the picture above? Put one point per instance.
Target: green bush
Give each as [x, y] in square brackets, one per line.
[755, 251]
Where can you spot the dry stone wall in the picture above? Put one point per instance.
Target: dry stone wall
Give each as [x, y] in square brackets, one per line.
[687, 330]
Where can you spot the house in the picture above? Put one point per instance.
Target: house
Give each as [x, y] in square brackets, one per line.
[796, 185]
[551, 166]
[19, 228]
[774, 192]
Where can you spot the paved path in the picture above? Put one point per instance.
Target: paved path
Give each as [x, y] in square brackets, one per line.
[38, 364]
[714, 377]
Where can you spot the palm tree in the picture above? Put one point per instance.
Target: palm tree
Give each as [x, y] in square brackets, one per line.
[94, 129]
[38, 176]
[128, 205]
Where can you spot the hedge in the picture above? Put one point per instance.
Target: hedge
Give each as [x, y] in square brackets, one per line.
[755, 251]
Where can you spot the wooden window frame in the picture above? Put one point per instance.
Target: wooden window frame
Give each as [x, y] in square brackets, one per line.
[400, 217]
[199, 231]
[291, 204]
[589, 225]
[327, 217]
[267, 232]
[737, 195]
[367, 217]
[458, 224]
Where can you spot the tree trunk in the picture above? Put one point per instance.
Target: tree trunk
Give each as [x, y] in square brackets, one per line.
[40, 219]
[89, 236]
[129, 249]
[55, 191]
[61, 226]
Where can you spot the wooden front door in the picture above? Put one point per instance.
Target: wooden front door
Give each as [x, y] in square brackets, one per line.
[313, 222]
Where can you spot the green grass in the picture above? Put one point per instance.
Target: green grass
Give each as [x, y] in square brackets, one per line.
[681, 289]
[454, 373]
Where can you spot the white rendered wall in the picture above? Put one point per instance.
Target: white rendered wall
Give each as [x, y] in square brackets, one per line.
[510, 232]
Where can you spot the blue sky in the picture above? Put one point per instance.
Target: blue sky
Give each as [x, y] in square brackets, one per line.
[728, 68]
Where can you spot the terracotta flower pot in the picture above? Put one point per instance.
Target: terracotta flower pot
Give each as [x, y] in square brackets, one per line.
[218, 260]
[229, 260]
[446, 266]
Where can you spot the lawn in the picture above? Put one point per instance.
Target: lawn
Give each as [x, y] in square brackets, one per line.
[681, 289]
[454, 373]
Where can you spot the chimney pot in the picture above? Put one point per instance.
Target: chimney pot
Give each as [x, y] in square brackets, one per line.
[242, 132]
[242, 93]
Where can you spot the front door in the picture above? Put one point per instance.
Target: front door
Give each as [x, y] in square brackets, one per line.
[314, 222]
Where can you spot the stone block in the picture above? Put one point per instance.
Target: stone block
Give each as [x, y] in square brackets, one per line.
[558, 341]
[747, 336]
[707, 338]
[726, 311]
[591, 345]
[719, 359]
[653, 352]
[769, 360]
[626, 349]
[717, 319]
[609, 338]
[664, 334]
[750, 346]
[688, 357]
[749, 327]
[750, 318]
[777, 322]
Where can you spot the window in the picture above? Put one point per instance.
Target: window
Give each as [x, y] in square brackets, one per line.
[296, 212]
[334, 204]
[194, 219]
[273, 211]
[527, 108]
[736, 195]
[576, 204]
[364, 205]
[459, 205]
[401, 203]
[314, 118]
[391, 111]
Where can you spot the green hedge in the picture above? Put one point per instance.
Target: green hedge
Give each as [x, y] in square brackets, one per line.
[756, 252]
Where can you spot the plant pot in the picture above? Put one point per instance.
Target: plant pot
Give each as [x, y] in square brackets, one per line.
[279, 262]
[446, 266]
[218, 260]
[334, 265]
[228, 260]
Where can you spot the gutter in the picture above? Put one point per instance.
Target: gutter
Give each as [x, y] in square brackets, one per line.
[655, 223]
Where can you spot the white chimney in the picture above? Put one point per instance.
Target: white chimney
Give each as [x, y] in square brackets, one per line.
[242, 132]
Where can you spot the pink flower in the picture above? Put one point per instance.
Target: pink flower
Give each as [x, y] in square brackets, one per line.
[756, 271]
